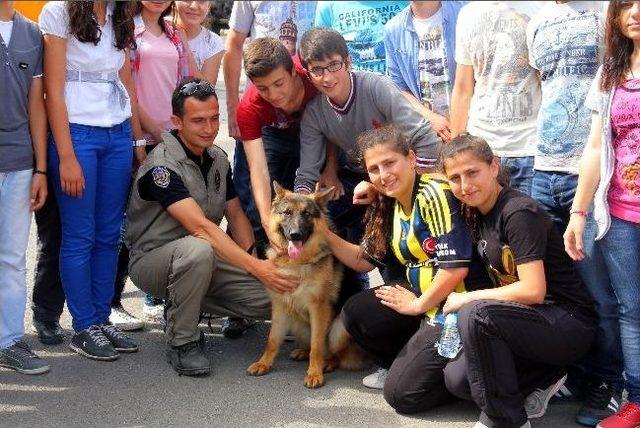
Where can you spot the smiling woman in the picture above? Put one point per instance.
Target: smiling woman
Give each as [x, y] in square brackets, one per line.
[416, 221]
[161, 61]
[538, 307]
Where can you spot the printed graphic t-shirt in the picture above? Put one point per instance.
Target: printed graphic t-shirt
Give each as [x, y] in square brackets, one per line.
[361, 23]
[432, 64]
[517, 230]
[624, 192]
[286, 21]
[565, 44]
[491, 37]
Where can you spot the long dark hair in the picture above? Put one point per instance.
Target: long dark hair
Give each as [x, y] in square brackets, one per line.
[170, 10]
[618, 48]
[480, 150]
[377, 218]
[85, 28]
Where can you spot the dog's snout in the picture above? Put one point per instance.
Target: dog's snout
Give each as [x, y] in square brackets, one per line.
[295, 236]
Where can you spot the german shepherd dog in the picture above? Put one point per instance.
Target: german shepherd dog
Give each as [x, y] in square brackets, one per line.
[300, 223]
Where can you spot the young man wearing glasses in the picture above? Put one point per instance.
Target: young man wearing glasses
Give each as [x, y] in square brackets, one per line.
[350, 103]
[180, 194]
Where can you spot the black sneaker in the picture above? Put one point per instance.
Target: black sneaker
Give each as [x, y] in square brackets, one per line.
[600, 402]
[92, 343]
[49, 332]
[120, 341]
[189, 359]
[20, 358]
[234, 327]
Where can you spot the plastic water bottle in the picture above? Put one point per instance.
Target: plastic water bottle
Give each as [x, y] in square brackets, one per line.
[449, 344]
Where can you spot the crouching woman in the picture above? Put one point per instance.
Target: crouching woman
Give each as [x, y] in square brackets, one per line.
[416, 220]
[539, 318]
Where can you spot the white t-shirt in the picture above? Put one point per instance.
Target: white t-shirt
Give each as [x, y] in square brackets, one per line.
[432, 64]
[566, 44]
[89, 103]
[491, 37]
[5, 31]
[205, 45]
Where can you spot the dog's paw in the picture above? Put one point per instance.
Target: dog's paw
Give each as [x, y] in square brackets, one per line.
[313, 380]
[331, 364]
[299, 354]
[258, 369]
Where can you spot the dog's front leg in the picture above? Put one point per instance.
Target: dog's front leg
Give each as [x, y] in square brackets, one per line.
[320, 318]
[279, 327]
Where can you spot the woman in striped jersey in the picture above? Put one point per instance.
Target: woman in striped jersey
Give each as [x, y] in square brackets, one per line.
[416, 220]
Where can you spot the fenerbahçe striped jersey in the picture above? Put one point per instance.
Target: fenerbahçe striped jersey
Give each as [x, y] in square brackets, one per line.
[433, 235]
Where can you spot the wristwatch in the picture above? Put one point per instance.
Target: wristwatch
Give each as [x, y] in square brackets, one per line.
[140, 143]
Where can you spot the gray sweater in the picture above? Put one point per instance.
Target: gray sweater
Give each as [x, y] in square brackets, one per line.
[374, 101]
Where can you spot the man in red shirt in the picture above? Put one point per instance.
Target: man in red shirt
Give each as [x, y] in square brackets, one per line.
[269, 117]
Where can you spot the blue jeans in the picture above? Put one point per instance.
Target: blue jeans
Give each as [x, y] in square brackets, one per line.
[555, 192]
[15, 220]
[91, 224]
[520, 172]
[242, 184]
[282, 150]
[611, 270]
[347, 219]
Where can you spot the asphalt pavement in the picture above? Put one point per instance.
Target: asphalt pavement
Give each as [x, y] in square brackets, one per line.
[142, 389]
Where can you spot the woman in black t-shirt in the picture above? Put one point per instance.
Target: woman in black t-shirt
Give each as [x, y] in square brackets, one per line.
[518, 336]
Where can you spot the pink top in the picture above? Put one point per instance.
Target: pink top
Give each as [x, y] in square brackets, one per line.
[624, 191]
[156, 79]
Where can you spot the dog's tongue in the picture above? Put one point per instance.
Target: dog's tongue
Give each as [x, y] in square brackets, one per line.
[294, 249]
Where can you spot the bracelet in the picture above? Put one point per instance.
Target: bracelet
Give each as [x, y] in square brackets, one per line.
[39, 171]
[140, 143]
[582, 213]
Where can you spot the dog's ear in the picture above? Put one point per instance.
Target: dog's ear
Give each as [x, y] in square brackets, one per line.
[278, 190]
[321, 197]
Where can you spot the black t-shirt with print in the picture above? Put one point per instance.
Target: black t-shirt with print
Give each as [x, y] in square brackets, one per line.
[516, 231]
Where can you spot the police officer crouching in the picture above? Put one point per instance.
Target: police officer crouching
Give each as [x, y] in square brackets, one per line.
[178, 251]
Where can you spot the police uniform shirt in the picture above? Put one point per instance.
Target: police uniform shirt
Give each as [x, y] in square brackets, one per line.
[163, 185]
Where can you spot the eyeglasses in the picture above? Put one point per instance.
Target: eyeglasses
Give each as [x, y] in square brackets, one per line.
[334, 66]
[190, 88]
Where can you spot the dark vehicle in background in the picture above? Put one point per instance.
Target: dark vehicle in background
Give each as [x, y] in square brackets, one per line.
[219, 15]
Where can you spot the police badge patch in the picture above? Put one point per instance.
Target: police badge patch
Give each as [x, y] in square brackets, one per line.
[161, 176]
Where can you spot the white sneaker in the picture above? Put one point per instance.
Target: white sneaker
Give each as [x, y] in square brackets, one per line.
[481, 425]
[376, 380]
[536, 403]
[124, 320]
[153, 314]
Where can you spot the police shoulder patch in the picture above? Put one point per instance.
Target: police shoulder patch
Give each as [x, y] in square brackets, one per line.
[161, 176]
